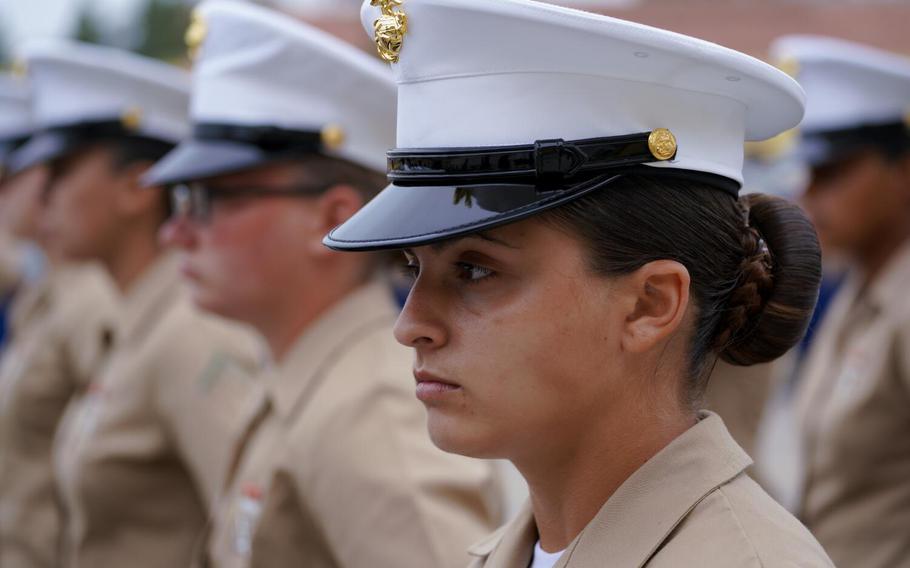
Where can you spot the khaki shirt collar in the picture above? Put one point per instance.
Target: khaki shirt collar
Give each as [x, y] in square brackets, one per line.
[147, 300]
[639, 517]
[513, 543]
[291, 382]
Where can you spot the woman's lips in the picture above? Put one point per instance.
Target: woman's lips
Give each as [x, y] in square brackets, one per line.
[431, 388]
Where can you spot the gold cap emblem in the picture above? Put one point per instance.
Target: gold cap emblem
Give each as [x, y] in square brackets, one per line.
[772, 148]
[333, 136]
[389, 29]
[789, 65]
[195, 34]
[662, 144]
[131, 119]
[19, 68]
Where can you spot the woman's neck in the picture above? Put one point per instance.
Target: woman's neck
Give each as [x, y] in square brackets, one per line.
[569, 487]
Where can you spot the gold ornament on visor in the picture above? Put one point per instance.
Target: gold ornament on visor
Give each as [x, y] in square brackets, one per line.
[332, 136]
[389, 29]
[20, 68]
[195, 34]
[789, 65]
[131, 119]
[662, 144]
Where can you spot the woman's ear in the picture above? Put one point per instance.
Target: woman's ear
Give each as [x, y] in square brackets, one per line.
[135, 198]
[334, 207]
[660, 294]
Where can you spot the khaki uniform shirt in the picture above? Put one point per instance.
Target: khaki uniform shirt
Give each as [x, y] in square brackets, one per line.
[690, 506]
[10, 264]
[336, 468]
[739, 395]
[854, 410]
[141, 456]
[60, 335]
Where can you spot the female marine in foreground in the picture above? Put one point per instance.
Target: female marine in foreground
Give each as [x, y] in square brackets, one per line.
[565, 189]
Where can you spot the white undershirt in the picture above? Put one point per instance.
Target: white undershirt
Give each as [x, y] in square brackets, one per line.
[543, 559]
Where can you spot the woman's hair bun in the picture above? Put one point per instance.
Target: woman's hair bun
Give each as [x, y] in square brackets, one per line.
[770, 307]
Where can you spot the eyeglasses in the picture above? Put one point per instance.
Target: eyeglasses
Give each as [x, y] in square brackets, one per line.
[195, 200]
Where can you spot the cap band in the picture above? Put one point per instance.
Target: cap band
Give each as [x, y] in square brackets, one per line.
[269, 138]
[892, 139]
[94, 130]
[545, 162]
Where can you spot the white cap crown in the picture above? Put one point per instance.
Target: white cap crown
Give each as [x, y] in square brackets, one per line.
[256, 67]
[501, 72]
[847, 84]
[15, 114]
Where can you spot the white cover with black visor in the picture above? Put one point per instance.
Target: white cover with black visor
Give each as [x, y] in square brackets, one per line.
[511, 107]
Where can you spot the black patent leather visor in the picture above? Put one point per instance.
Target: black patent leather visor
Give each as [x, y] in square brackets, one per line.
[42, 148]
[410, 216]
[199, 159]
[220, 149]
[443, 193]
[824, 147]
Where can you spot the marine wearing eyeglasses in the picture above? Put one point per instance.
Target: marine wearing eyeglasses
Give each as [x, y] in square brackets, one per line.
[334, 468]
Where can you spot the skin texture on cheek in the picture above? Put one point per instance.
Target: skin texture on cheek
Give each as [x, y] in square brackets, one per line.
[21, 203]
[243, 257]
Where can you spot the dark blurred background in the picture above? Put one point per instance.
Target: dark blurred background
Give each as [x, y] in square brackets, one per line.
[156, 27]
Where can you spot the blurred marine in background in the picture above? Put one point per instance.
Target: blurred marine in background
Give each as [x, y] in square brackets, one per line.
[59, 313]
[141, 455]
[853, 399]
[334, 467]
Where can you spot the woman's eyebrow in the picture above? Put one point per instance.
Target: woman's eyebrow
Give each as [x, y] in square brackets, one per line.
[484, 236]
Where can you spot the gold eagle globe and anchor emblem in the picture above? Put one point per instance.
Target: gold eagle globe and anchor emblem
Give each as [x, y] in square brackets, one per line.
[389, 29]
[195, 34]
[662, 144]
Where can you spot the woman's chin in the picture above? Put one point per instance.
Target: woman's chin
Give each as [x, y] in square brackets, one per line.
[457, 436]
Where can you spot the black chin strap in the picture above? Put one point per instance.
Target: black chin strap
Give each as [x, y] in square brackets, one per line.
[546, 162]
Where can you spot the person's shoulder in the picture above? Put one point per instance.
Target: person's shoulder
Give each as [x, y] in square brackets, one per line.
[740, 525]
[185, 327]
[186, 339]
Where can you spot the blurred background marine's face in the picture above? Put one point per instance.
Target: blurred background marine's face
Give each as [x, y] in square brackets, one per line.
[21, 203]
[852, 200]
[249, 250]
[82, 218]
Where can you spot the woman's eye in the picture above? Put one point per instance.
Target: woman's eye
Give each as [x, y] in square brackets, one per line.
[473, 272]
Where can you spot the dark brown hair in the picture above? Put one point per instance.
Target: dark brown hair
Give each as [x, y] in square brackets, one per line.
[755, 263]
[325, 171]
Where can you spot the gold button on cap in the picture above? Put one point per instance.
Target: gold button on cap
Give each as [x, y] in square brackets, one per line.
[196, 33]
[333, 136]
[662, 144]
[131, 119]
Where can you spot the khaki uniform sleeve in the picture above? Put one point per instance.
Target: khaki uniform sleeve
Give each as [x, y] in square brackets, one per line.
[384, 496]
[35, 391]
[204, 376]
[903, 354]
[50, 361]
[10, 265]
